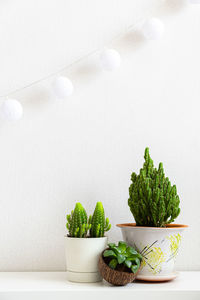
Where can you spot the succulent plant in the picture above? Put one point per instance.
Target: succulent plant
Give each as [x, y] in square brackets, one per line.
[99, 224]
[77, 222]
[153, 201]
[122, 257]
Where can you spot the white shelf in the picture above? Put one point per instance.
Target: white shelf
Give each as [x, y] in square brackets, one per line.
[54, 285]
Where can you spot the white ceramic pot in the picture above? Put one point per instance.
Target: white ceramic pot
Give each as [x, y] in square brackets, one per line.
[82, 255]
[158, 247]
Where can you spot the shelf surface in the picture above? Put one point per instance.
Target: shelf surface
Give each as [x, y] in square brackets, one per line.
[37, 285]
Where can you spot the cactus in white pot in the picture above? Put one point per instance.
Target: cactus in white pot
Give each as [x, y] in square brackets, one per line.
[84, 243]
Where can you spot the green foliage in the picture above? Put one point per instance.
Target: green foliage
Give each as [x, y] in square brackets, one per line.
[77, 222]
[98, 222]
[153, 201]
[123, 255]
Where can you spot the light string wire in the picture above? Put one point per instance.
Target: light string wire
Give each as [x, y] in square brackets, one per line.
[53, 74]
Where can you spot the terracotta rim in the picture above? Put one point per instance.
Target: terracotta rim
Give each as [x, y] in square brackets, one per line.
[168, 226]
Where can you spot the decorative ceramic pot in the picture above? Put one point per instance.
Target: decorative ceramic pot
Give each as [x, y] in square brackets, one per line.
[158, 247]
[82, 255]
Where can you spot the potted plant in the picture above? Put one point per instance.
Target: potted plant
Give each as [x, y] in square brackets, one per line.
[120, 264]
[154, 203]
[85, 242]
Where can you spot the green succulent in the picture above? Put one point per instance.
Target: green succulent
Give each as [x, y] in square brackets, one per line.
[153, 201]
[79, 225]
[77, 222]
[99, 224]
[122, 257]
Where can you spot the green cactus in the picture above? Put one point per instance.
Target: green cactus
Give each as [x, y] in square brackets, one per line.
[98, 222]
[153, 201]
[77, 224]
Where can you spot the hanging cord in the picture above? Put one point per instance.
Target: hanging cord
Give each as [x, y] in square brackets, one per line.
[51, 75]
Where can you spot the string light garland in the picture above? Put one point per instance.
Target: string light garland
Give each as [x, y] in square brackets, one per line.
[62, 87]
[153, 29]
[11, 110]
[110, 60]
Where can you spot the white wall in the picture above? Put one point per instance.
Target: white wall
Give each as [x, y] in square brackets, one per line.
[86, 148]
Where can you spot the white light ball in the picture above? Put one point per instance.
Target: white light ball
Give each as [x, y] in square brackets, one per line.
[62, 87]
[194, 1]
[153, 29]
[110, 60]
[11, 110]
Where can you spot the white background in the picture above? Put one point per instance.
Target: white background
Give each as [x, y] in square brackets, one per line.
[85, 148]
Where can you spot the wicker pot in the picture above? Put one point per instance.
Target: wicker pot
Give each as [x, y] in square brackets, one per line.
[113, 276]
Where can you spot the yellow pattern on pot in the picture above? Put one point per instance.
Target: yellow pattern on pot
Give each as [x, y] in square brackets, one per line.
[158, 247]
[175, 240]
[155, 259]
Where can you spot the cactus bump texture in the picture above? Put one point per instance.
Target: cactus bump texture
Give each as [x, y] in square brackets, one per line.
[77, 222]
[153, 201]
[98, 222]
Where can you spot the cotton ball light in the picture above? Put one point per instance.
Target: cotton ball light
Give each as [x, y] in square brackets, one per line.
[62, 87]
[153, 29]
[11, 110]
[110, 60]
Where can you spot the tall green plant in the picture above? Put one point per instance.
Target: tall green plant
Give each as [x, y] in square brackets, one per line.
[153, 201]
[99, 224]
[77, 223]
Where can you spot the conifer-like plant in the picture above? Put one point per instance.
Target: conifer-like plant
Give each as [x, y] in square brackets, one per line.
[153, 201]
